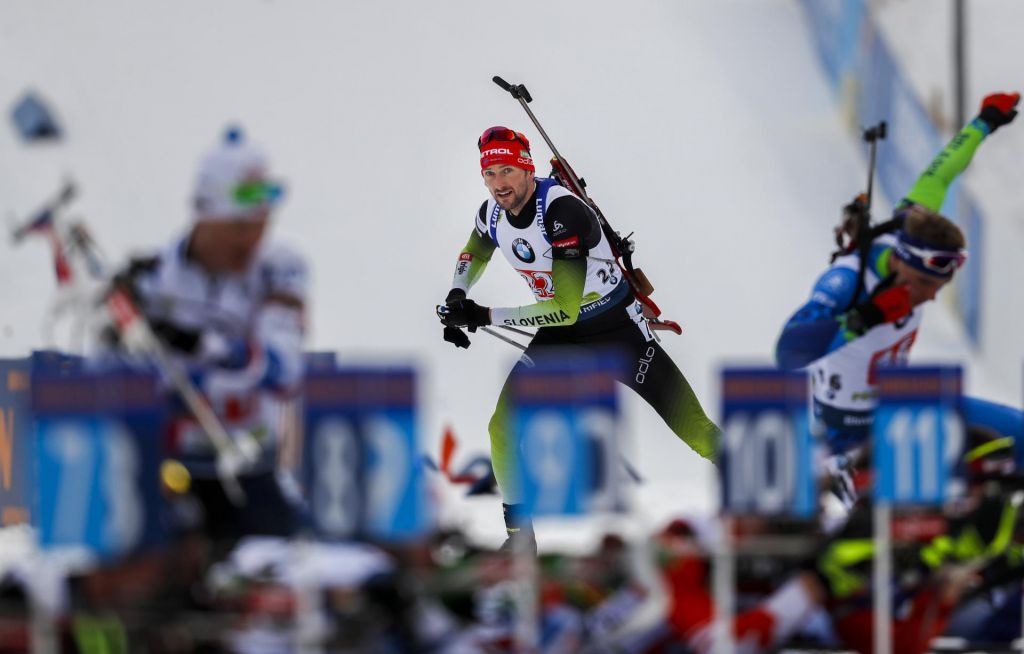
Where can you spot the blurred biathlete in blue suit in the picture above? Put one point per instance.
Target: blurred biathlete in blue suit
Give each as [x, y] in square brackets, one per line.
[850, 327]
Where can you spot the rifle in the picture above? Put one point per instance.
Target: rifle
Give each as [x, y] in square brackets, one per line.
[855, 233]
[622, 247]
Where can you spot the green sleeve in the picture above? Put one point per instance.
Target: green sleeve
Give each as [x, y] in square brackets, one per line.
[930, 189]
[568, 276]
[472, 261]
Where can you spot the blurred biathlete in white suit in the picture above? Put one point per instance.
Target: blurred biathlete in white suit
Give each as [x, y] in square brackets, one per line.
[229, 307]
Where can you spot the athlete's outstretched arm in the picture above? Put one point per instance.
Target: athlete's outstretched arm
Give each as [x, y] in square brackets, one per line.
[1006, 421]
[930, 188]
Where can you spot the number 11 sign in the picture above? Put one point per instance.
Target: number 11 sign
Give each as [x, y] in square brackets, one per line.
[918, 435]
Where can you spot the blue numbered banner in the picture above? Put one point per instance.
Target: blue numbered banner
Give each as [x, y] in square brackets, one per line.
[360, 454]
[565, 416]
[17, 479]
[918, 435]
[765, 465]
[97, 452]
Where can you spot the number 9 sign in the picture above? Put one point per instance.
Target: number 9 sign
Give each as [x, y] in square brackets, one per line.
[765, 452]
[564, 415]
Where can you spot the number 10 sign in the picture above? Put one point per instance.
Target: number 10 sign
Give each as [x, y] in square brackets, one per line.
[765, 452]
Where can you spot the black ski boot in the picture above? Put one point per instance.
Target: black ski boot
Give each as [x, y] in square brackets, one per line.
[520, 531]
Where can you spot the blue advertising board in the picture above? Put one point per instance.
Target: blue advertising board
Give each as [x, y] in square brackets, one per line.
[360, 454]
[918, 435]
[765, 454]
[564, 415]
[97, 452]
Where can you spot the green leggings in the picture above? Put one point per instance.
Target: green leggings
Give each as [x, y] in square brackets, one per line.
[652, 374]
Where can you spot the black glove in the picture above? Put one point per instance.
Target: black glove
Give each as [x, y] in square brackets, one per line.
[454, 295]
[453, 334]
[127, 279]
[887, 303]
[466, 313]
[456, 337]
[457, 311]
[208, 346]
[998, 109]
[177, 338]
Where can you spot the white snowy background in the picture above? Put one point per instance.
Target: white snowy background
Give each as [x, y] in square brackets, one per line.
[705, 126]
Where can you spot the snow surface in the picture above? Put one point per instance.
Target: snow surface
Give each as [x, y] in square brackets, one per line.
[706, 126]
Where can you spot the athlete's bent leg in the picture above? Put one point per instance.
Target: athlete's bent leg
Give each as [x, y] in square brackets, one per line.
[657, 379]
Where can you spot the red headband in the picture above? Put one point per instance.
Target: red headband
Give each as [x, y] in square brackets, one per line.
[502, 146]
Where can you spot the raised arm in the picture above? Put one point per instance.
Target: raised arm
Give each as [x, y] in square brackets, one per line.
[931, 187]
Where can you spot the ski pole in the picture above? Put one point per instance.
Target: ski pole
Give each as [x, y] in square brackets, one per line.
[526, 359]
[504, 338]
[46, 213]
[521, 332]
[137, 335]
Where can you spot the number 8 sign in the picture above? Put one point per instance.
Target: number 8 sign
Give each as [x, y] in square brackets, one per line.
[765, 452]
[918, 435]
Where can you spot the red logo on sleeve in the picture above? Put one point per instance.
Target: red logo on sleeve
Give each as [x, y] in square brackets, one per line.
[572, 241]
[465, 256]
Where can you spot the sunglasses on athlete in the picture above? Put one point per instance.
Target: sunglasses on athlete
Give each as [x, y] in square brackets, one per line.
[940, 261]
[501, 134]
[257, 192]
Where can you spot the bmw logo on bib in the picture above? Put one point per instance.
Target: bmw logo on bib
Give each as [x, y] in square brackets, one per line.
[523, 250]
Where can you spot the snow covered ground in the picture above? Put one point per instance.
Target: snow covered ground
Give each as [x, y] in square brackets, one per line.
[705, 126]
